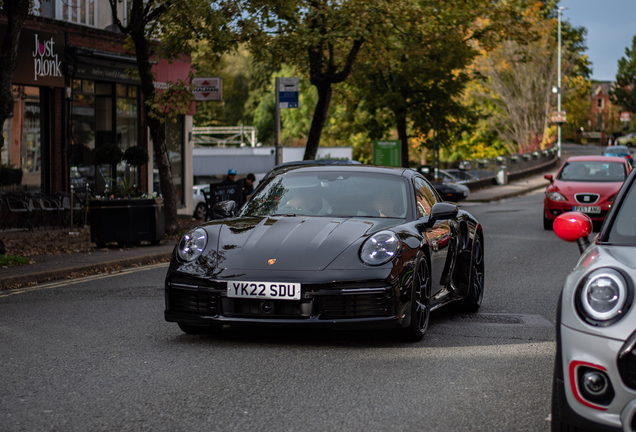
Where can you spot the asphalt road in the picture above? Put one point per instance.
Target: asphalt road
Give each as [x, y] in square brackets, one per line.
[95, 354]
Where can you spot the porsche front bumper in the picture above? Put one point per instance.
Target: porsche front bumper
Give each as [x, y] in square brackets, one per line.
[374, 304]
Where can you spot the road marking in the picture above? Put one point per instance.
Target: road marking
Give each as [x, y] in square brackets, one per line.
[67, 282]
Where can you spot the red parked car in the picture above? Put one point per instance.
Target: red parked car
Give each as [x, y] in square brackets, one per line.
[587, 184]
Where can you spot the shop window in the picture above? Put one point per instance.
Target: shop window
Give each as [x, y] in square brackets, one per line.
[77, 11]
[127, 129]
[105, 117]
[32, 155]
[82, 151]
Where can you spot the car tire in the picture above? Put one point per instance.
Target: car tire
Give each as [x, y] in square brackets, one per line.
[420, 309]
[547, 223]
[200, 211]
[209, 329]
[555, 416]
[475, 294]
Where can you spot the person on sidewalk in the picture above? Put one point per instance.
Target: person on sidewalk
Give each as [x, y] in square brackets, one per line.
[247, 184]
[230, 177]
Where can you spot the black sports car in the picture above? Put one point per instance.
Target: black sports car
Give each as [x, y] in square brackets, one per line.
[335, 246]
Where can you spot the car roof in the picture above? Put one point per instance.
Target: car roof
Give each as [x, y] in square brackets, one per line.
[595, 158]
[614, 148]
[346, 167]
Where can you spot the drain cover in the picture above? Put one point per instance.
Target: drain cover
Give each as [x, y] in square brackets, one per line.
[487, 318]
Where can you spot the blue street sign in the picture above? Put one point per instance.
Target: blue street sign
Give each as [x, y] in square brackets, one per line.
[288, 92]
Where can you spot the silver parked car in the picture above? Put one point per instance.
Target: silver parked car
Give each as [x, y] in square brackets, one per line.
[594, 386]
[200, 208]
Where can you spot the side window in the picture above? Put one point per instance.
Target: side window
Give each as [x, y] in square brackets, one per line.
[424, 197]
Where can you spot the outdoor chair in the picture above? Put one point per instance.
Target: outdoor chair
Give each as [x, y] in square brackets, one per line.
[17, 209]
[64, 198]
[50, 209]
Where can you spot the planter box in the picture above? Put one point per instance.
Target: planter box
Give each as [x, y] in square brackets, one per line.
[128, 221]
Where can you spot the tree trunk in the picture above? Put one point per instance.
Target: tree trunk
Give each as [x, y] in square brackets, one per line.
[157, 130]
[318, 122]
[400, 122]
[17, 11]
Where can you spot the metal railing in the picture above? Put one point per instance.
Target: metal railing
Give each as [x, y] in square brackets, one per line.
[502, 169]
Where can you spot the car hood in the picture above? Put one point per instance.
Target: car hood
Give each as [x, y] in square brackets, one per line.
[295, 243]
[603, 189]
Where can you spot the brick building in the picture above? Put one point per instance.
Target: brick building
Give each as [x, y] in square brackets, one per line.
[603, 121]
[74, 98]
[601, 106]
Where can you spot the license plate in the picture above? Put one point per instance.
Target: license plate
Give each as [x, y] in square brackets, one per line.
[587, 209]
[264, 290]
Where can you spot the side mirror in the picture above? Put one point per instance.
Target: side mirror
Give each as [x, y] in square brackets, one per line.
[225, 209]
[442, 210]
[574, 227]
[549, 177]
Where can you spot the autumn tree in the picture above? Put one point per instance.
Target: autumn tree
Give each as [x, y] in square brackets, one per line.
[322, 38]
[419, 68]
[624, 91]
[519, 75]
[166, 29]
[16, 12]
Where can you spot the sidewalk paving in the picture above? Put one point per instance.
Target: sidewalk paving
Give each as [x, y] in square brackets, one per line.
[113, 258]
[512, 189]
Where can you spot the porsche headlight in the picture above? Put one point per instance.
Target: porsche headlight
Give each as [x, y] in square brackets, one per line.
[380, 248]
[192, 244]
[603, 296]
[555, 196]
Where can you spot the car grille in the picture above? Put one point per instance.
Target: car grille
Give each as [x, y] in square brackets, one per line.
[192, 300]
[627, 362]
[586, 198]
[353, 305]
[235, 307]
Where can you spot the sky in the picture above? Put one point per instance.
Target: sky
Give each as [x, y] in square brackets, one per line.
[611, 26]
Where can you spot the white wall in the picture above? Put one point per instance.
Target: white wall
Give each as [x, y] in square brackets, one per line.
[215, 161]
[187, 167]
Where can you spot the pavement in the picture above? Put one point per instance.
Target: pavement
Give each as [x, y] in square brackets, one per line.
[113, 258]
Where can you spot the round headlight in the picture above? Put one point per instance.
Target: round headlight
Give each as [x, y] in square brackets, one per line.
[380, 248]
[192, 244]
[604, 294]
[555, 196]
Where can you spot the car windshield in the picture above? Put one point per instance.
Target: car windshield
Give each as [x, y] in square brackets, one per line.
[593, 171]
[331, 194]
[623, 230]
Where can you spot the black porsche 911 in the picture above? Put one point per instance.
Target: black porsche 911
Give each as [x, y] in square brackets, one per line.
[346, 246]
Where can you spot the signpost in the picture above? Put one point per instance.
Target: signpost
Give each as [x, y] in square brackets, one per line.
[206, 89]
[626, 116]
[386, 153]
[287, 90]
[559, 117]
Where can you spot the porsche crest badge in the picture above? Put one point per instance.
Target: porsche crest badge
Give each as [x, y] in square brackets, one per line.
[271, 261]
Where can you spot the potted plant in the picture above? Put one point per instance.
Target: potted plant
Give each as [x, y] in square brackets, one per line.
[125, 215]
